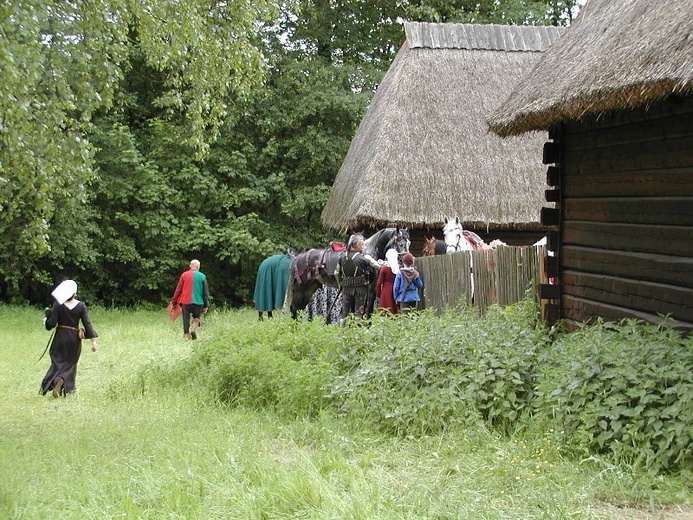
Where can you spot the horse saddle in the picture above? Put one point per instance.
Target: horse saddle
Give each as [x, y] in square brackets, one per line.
[315, 263]
[474, 240]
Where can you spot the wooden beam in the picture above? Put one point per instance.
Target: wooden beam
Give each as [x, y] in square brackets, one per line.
[551, 266]
[550, 313]
[553, 176]
[549, 291]
[552, 240]
[552, 153]
[550, 216]
[552, 195]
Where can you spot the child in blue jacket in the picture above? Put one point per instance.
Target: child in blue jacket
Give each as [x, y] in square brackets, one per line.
[407, 284]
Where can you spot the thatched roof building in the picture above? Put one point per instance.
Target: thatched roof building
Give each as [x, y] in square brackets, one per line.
[616, 94]
[423, 151]
[626, 54]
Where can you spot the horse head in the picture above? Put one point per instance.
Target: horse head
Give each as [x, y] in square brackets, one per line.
[454, 236]
[429, 247]
[388, 238]
[399, 241]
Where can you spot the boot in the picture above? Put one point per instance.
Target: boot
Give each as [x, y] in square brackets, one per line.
[193, 327]
[57, 388]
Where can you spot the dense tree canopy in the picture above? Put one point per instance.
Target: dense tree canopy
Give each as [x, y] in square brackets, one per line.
[63, 62]
[136, 134]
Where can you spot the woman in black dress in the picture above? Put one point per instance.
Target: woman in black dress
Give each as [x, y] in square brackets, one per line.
[66, 347]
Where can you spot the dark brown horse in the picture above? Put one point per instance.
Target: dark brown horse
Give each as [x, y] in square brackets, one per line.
[316, 267]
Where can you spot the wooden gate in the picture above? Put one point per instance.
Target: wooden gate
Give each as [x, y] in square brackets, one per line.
[500, 276]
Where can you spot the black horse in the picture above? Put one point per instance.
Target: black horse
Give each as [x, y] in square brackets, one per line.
[316, 267]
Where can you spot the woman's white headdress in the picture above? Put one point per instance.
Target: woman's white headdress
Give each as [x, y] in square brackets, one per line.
[391, 257]
[64, 291]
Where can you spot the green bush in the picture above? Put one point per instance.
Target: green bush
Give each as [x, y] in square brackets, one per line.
[625, 390]
[421, 374]
[622, 391]
[274, 365]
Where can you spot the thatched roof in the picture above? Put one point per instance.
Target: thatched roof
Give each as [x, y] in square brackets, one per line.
[423, 151]
[617, 55]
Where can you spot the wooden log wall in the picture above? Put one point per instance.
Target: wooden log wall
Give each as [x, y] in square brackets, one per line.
[626, 222]
[501, 276]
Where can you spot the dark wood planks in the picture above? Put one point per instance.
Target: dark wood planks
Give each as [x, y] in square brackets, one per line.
[626, 246]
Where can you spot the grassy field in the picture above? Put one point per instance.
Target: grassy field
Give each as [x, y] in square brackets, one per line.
[127, 446]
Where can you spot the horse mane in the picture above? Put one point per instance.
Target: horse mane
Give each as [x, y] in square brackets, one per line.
[371, 243]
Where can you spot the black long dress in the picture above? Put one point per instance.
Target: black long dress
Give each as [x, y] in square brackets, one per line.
[66, 346]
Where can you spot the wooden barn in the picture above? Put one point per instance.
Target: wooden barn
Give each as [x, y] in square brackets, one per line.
[616, 96]
[423, 151]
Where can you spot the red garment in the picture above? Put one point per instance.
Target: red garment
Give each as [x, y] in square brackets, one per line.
[383, 289]
[192, 289]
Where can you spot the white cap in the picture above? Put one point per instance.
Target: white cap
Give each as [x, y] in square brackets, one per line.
[65, 291]
[391, 256]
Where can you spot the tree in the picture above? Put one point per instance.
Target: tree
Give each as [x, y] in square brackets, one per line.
[516, 12]
[139, 133]
[63, 61]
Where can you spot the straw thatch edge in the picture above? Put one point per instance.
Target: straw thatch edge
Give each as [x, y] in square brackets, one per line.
[617, 56]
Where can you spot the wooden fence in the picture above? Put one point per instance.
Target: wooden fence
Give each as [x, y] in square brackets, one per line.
[500, 276]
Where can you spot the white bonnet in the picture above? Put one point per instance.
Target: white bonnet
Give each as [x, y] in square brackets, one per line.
[64, 291]
[391, 257]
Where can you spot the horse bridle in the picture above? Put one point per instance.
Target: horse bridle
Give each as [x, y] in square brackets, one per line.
[394, 242]
[460, 236]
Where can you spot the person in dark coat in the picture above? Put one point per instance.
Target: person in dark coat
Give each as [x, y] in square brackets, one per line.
[385, 283]
[354, 272]
[65, 316]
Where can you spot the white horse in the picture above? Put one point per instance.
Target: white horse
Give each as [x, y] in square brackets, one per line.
[459, 239]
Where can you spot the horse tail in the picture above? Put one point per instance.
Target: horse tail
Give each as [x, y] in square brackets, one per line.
[293, 273]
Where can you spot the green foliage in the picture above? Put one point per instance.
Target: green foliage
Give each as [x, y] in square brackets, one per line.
[140, 439]
[625, 390]
[136, 135]
[275, 366]
[418, 374]
[64, 62]
[516, 12]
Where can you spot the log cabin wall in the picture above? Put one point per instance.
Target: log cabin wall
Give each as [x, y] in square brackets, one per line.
[626, 215]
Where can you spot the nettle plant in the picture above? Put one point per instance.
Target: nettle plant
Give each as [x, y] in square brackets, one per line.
[422, 374]
[624, 390]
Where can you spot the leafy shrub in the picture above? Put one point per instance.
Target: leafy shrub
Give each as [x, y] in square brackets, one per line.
[624, 390]
[420, 374]
[263, 377]
[274, 365]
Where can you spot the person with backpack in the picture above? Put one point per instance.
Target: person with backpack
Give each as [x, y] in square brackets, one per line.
[407, 285]
[353, 273]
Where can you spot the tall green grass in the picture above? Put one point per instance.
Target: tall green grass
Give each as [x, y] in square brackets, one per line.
[241, 424]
